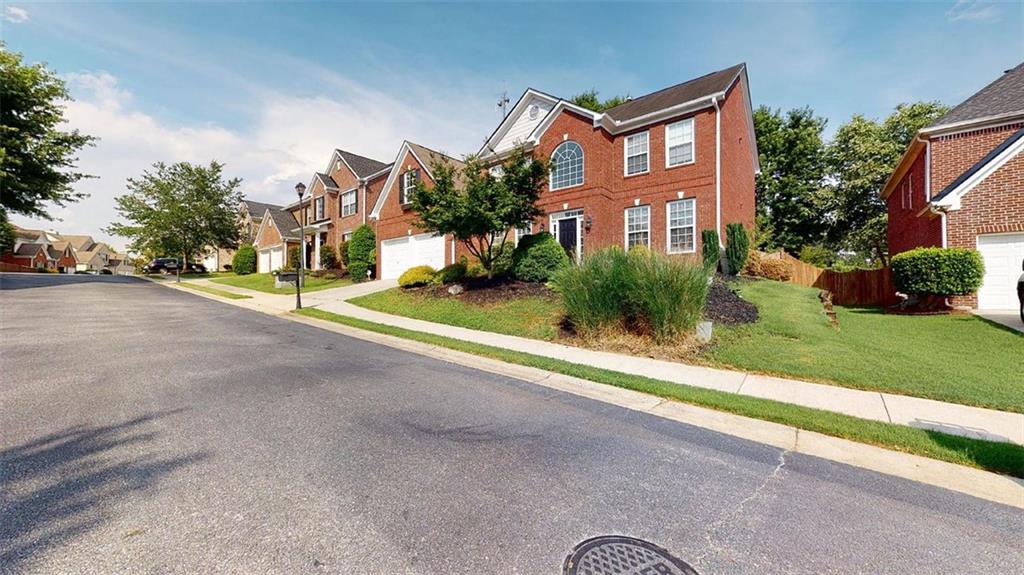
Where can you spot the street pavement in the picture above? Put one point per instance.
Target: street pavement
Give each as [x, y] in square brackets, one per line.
[149, 430]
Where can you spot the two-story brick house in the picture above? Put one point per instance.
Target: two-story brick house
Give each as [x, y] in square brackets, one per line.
[961, 184]
[653, 171]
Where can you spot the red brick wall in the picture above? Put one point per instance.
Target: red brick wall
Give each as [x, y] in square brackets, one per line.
[737, 160]
[906, 229]
[953, 155]
[270, 236]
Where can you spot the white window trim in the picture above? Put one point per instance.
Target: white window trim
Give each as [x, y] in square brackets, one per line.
[319, 208]
[576, 214]
[625, 225]
[693, 143]
[403, 192]
[354, 203]
[583, 168]
[625, 154]
[529, 231]
[668, 226]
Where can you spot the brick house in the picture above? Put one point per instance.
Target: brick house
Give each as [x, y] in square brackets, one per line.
[961, 184]
[250, 214]
[278, 231]
[400, 244]
[654, 171]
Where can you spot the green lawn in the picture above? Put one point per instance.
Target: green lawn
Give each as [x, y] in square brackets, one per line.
[533, 316]
[265, 283]
[214, 291]
[956, 358]
[960, 359]
[998, 457]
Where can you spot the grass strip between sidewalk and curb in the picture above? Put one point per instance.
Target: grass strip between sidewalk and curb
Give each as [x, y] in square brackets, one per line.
[1005, 458]
[214, 291]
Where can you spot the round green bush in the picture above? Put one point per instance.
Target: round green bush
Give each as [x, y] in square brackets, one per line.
[244, 262]
[362, 253]
[328, 258]
[503, 265]
[538, 257]
[453, 273]
[417, 276]
[938, 271]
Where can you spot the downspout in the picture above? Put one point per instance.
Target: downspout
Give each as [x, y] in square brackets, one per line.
[718, 170]
[928, 184]
[362, 205]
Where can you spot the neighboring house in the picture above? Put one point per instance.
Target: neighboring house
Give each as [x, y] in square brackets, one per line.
[653, 171]
[40, 249]
[400, 244]
[278, 232]
[335, 201]
[250, 214]
[29, 254]
[961, 184]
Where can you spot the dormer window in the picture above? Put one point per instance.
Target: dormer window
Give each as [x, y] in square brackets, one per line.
[407, 186]
[566, 166]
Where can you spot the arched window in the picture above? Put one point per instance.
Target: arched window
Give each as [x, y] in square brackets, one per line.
[566, 166]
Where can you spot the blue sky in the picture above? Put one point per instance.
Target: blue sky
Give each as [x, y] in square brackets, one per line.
[271, 88]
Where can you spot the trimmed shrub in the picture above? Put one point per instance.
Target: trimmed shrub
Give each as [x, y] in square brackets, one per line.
[343, 253]
[503, 265]
[294, 256]
[817, 256]
[362, 253]
[762, 266]
[709, 250]
[642, 291]
[938, 271]
[737, 247]
[453, 273]
[244, 262]
[417, 276]
[328, 258]
[538, 257]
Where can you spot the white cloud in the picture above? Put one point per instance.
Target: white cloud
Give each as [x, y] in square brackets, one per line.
[972, 10]
[15, 15]
[291, 137]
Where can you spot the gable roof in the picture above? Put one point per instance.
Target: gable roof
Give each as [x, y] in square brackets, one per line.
[965, 182]
[284, 221]
[426, 158]
[29, 249]
[257, 209]
[1003, 97]
[80, 242]
[361, 166]
[688, 91]
[326, 180]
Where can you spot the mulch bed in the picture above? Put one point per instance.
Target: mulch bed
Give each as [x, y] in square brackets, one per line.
[727, 307]
[485, 291]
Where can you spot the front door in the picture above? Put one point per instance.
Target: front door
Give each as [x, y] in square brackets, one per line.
[568, 235]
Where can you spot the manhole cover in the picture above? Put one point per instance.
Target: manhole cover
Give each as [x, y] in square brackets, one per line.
[616, 555]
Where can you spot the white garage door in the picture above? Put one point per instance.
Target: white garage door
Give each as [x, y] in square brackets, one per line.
[263, 266]
[1002, 254]
[400, 254]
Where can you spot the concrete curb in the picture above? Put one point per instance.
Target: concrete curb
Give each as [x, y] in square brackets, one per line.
[974, 482]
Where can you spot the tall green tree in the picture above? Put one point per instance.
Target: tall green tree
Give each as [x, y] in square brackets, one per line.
[37, 157]
[179, 209]
[792, 199]
[478, 208]
[590, 101]
[860, 159]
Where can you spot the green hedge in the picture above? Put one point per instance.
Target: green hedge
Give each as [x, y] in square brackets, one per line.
[709, 249]
[328, 258]
[538, 257]
[737, 247]
[453, 273]
[244, 262]
[417, 276]
[938, 271]
[362, 253]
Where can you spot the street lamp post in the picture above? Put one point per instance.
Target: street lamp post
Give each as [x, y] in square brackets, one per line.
[300, 189]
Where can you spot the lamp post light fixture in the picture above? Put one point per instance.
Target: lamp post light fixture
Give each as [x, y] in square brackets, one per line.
[300, 189]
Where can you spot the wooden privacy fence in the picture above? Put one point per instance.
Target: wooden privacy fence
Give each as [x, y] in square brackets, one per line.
[859, 287]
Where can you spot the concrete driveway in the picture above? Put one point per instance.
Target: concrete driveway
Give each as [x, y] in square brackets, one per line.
[151, 430]
[1010, 318]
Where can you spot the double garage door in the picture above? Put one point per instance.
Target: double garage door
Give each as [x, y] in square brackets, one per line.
[1003, 254]
[400, 254]
[270, 259]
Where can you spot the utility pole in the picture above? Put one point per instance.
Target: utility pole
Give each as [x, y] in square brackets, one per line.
[503, 102]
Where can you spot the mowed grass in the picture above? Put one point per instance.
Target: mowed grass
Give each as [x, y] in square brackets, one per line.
[1004, 458]
[530, 316]
[954, 358]
[265, 283]
[214, 291]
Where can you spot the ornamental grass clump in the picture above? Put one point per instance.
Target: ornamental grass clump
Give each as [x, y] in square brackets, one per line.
[641, 292]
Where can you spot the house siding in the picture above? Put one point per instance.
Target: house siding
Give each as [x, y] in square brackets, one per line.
[907, 230]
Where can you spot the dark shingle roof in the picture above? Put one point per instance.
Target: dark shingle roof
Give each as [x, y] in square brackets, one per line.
[285, 222]
[680, 93]
[29, 249]
[361, 165]
[979, 165]
[1003, 96]
[257, 209]
[327, 180]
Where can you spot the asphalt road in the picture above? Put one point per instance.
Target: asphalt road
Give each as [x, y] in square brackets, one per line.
[143, 430]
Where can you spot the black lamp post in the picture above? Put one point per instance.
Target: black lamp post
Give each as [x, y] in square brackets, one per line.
[300, 189]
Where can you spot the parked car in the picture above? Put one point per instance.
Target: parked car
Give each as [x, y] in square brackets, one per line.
[195, 269]
[106, 272]
[1020, 291]
[161, 266]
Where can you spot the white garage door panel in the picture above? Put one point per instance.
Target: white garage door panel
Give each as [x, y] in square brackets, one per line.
[400, 254]
[1002, 254]
[276, 259]
[264, 262]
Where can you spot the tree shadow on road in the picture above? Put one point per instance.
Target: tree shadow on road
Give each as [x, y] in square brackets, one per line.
[60, 486]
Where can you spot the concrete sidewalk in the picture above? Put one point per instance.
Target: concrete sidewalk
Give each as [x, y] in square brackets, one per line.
[948, 418]
[1010, 318]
